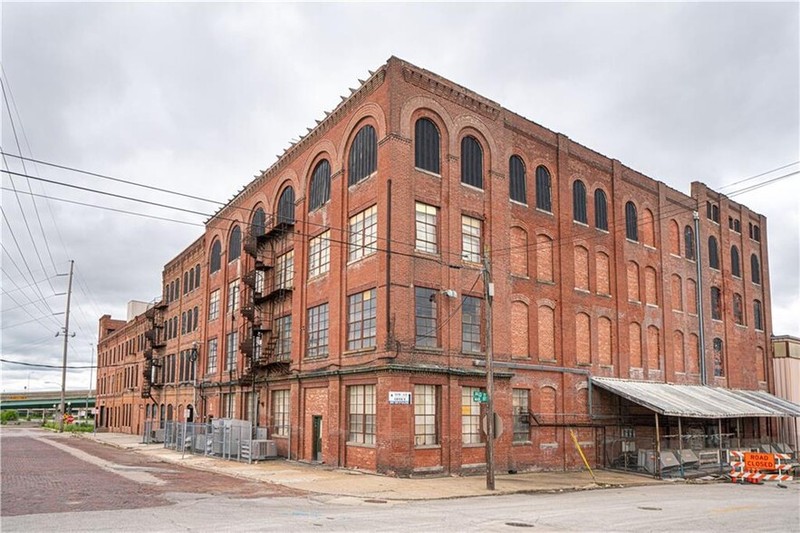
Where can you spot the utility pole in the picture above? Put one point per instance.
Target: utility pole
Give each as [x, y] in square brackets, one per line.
[64, 358]
[488, 288]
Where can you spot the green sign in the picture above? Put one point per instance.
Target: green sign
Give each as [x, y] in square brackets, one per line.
[480, 396]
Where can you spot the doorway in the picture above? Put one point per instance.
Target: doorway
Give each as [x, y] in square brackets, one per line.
[316, 435]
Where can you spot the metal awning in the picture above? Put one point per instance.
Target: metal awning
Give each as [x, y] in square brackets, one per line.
[699, 401]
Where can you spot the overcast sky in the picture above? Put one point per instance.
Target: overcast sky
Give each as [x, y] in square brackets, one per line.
[200, 97]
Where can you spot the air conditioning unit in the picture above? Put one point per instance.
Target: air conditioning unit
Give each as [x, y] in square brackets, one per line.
[263, 449]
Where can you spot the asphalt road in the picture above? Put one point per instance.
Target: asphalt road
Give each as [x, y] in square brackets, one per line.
[52, 483]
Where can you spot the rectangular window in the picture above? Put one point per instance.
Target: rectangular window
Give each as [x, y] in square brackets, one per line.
[363, 234]
[233, 296]
[227, 405]
[213, 305]
[522, 424]
[319, 254]
[280, 413]
[361, 320]
[426, 217]
[318, 331]
[471, 324]
[425, 317]
[284, 271]
[361, 413]
[230, 350]
[470, 416]
[470, 239]
[283, 348]
[426, 423]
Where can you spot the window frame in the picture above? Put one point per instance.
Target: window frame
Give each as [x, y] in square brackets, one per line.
[631, 222]
[579, 210]
[363, 156]
[426, 330]
[361, 414]
[517, 185]
[544, 185]
[471, 322]
[317, 343]
[427, 146]
[426, 415]
[600, 210]
[319, 254]
[362, 234]
[425, 229]
[362, 320]
[471, 239]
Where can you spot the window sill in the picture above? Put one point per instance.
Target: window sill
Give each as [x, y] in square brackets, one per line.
[473, 187]
[360, 445]
[650, 247]
[425, 254]
[631, 240]
[521, 443]
[546, 282]
[359, 351]
[429, 349]
[473, 354]
[317, 277]
[583, 291]
[315, 358]
[520, 276]
[584, 364]
[351, 186]
[428, 172]
[474, 445]
[604, 295]
[358, 259]
[651, 305]
[544, 212]
[579, 223]
[517, 202]
[428, 447]
[548, 361]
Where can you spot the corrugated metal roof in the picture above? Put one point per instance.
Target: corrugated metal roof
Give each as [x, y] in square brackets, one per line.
[698, 401]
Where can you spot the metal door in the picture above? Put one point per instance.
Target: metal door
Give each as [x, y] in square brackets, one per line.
[316, 444]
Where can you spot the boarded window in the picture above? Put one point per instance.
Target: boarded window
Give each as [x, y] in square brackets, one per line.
[691, 296]
[674, 238]
[604, 342]
[579, 202]
[634, 294]
[678, 356]
[600, 210]
[602, 273]
[650, 291]
[631, 222]
[286, 207]
[426, 146]
[583, 338]
[516, 181]
[677, 293]
[363, 155]
[544, 258]
[471, 162]
[719, 357]
[635, 344]
[581, 268]
[320, 185]
[519, 330]
[648, 228]
[543, 200]
[716, 303]
[519, 251]
[693, 358]
[653, 348]
[546, 333]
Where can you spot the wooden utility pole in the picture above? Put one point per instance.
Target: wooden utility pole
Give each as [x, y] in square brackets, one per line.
[64, 358]
[488, 289]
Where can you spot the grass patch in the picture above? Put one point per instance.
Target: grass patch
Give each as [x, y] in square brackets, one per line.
[80, 427]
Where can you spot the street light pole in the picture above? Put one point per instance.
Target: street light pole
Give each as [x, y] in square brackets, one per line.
[489, 294]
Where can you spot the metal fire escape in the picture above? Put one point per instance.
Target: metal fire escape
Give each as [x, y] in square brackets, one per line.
[268, 296]
[155, 345]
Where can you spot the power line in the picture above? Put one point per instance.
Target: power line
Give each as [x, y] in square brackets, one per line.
[758, 175]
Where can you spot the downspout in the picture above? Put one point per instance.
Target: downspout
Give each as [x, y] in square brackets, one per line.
[700, 291]
[390, 341]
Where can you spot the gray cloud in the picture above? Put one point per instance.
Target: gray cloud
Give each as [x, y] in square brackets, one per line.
[199, 97]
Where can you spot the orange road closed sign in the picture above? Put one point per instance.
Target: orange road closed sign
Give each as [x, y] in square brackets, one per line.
[759, 461]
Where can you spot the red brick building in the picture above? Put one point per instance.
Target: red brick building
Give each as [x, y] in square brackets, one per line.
[352, 269]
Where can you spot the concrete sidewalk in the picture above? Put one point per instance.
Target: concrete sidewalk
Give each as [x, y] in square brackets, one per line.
[346, 483]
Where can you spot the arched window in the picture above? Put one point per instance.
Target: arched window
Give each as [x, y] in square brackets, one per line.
[719, 360]
[543, 201]
[600, 210]
[195, 312]
[516, 180]
[259, 224]
[286, 207]
[185, 282]
[363, 155]
[736, 265]
[320, 185]
[471, 162]
[738, 311]
[688, 242]
[216, 256]
[713, 253]
[716, 303]
[235, 244]
[197, 275]
[190, 275]
[758, 315]
[579, 202]
[631, 222]
[426, 145]
[755, 269]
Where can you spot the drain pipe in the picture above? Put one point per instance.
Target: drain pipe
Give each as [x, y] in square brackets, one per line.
[700, 291]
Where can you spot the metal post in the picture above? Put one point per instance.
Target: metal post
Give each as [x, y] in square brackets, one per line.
[64, 357]
[489, 293]
[719, 426]
[658, 448]
[680, 445]
[738, 435]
